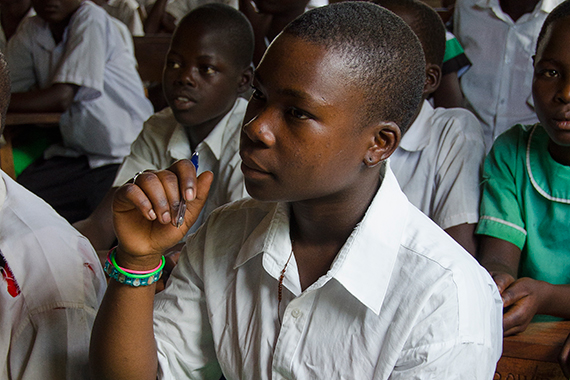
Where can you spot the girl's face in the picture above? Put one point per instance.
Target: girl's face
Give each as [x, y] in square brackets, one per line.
[55, 11]
[551, 82]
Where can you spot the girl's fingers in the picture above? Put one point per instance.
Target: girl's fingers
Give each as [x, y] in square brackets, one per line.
[151, 185]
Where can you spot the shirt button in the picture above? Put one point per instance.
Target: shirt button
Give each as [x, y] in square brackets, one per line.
[295, 313]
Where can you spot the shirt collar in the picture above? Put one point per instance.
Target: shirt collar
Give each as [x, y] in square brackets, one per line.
[548, 5]
[364, 264]
[420, 137]
[544, 5]
[215, 141]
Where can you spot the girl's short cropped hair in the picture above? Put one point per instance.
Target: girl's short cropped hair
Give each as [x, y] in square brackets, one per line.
[561, 11]
[225, 19]
[379, 50]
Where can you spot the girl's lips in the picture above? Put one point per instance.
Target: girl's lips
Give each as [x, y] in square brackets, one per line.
[251, 173]
[183, 103]
[563, 124]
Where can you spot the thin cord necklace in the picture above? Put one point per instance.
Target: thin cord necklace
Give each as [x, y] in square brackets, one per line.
[280, 287]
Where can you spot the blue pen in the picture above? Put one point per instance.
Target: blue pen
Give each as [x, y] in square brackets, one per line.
[182, 207]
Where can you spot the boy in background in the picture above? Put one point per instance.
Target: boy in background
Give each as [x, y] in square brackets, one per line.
[51, 284]
[73, 58]
[12, 12]
[499, 37]
[438, 161]
[207, 67]
[525, 208]
[330, 272]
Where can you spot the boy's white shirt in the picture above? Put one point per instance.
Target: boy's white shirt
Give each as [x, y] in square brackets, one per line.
[3, 41]
[45, 330]
[163, 141]
[498, 85]
[438, 164]
[402, 300]
[95, 56]
[127, 11]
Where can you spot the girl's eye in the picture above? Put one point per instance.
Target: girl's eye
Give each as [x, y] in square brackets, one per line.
[174, 65]
[298, 114]
[208, 70]
[550, 73]
[256, 93]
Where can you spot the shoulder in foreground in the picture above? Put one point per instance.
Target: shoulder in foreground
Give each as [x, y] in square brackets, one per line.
[428, 241]
[163, 119]
[431, 257]
[33, 214]
[516, 136]
[459, 121]
[242, 208]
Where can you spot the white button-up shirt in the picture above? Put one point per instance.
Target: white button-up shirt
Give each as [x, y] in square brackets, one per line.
[46, 327]
[498, 85]
[402, 300]
[438, 164]
[163, 141]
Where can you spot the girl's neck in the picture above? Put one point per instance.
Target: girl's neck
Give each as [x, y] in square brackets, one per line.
[517, 8]
[560, 154]
[319, 228]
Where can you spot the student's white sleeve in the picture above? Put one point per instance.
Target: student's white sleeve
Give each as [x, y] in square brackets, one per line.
[459, 162]
[148, 151]
[181, 326]
[83, 62]
[448, 342]
[20, 59]
[55, 345]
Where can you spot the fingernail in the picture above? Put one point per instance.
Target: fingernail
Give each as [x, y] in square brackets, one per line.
[189, 194]
[166, 217]
[152, 214]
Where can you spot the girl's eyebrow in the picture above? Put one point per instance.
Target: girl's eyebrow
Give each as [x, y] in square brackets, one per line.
[294, 93]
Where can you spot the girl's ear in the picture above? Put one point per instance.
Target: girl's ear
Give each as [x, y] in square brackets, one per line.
[433, 79]
[383, 142]
[245, 80]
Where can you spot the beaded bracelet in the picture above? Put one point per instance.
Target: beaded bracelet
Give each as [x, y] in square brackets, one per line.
[131, 277]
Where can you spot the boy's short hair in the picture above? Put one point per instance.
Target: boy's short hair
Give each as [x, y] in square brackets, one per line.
[427, 25]
[561, 11]
[379, 50]
[5, 91]
[229, 21]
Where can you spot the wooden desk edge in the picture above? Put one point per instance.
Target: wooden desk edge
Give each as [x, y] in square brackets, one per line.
[13, 118]
[541, 342]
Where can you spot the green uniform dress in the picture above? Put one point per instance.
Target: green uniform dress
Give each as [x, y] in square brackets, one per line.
[526, 201]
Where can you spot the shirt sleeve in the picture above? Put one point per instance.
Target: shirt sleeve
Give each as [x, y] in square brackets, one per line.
[500, 213]
[462, 150]
[454, 59]
[181, 325]
[85, 57]
[448, 360]
[458, 332]
[20, 60]
[148, 151]
[54, 344]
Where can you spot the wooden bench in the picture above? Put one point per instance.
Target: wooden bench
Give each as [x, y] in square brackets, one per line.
[14, 119]
[150, 52]
[533, 354]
